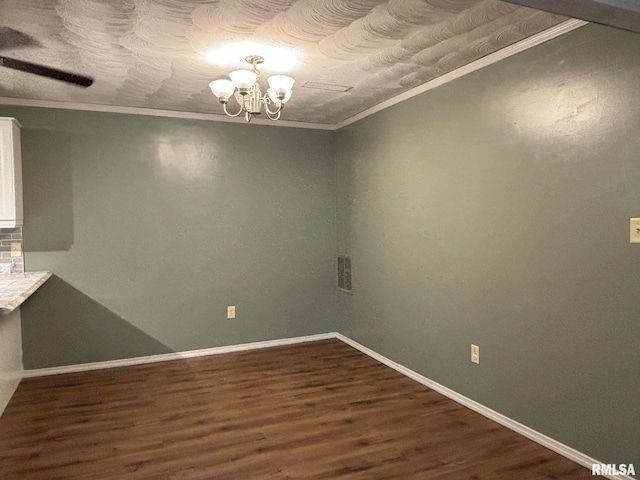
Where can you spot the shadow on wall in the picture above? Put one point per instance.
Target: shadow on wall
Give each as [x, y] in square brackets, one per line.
[48, 193]
[63, 326]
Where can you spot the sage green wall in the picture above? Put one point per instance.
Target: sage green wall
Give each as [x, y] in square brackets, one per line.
[152, 226]
[492, 210]
[495, 210]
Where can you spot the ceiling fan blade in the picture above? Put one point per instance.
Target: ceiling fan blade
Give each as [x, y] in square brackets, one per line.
[73, 78]
[10, 38]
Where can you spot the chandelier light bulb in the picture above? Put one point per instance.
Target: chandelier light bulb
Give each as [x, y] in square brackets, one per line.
[281, 83]
[274, 96]
[223, 89]
[243, 79]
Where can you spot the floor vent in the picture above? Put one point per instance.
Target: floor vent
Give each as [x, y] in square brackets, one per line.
[344, 273]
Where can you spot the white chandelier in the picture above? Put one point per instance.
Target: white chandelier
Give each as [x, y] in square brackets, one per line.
[249, 96]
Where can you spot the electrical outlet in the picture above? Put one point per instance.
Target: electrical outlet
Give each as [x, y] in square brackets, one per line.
[475, 353]
[634, 233]
[231, 311]
[16, 249]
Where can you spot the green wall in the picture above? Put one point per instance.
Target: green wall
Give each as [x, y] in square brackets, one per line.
[495, 210]
[152, 226]
[492, 210]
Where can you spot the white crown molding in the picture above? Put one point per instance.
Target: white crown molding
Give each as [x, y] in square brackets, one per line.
[490, 59]
[150, 112]
[127, 362]
[518, 47]
[558, 447]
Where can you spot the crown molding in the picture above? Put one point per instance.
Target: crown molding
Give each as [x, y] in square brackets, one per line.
[490, 59]
[150, 112]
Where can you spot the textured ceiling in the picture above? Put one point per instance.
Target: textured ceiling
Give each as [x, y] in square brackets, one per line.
[148, 53]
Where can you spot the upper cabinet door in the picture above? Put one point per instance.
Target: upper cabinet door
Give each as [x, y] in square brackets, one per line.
[10, 174]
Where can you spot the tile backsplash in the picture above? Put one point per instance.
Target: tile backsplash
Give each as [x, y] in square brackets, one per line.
[7, 237]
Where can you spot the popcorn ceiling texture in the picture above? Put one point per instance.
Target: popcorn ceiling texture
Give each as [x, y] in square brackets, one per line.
[145, 53]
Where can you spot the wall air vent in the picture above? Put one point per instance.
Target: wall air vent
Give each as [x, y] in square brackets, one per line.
[326, 86]
[344, 273]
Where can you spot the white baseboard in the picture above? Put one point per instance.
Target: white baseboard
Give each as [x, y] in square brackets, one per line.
[564, 450]
[126, 362]
[550, 443]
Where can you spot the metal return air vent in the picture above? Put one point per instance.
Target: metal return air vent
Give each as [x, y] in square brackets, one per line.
[330, 87]
[344, 274]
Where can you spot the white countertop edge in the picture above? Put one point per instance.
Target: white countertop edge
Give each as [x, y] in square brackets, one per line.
[32, 280]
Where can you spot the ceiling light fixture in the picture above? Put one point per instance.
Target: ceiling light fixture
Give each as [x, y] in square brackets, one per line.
[249, 96]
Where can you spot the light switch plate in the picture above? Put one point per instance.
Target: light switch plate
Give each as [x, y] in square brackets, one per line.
[231, 311]
[634, 233]
[16, 249]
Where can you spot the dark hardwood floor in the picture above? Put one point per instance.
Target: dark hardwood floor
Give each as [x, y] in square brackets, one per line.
[318, 410]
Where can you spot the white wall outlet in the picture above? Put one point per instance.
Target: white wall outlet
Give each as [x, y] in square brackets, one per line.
[231, 311]
[16, 249]
[475, 353]
[634, 227]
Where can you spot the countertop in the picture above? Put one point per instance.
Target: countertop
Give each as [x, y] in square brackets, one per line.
[16, 288]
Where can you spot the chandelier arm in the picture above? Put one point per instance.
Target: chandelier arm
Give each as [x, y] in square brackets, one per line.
[249, 96]
[266, 100]
[224, 106]
[274, 115]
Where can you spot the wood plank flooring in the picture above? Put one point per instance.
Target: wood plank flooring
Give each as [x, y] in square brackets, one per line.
[318, 410]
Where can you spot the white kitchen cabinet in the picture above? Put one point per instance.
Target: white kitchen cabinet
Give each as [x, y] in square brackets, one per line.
[10, 174]
[11, 369]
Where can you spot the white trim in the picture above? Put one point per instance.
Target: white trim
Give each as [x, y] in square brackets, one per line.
[127, 362]
[494, 57]
[150, 112]
[560, 448]
[550, 443]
